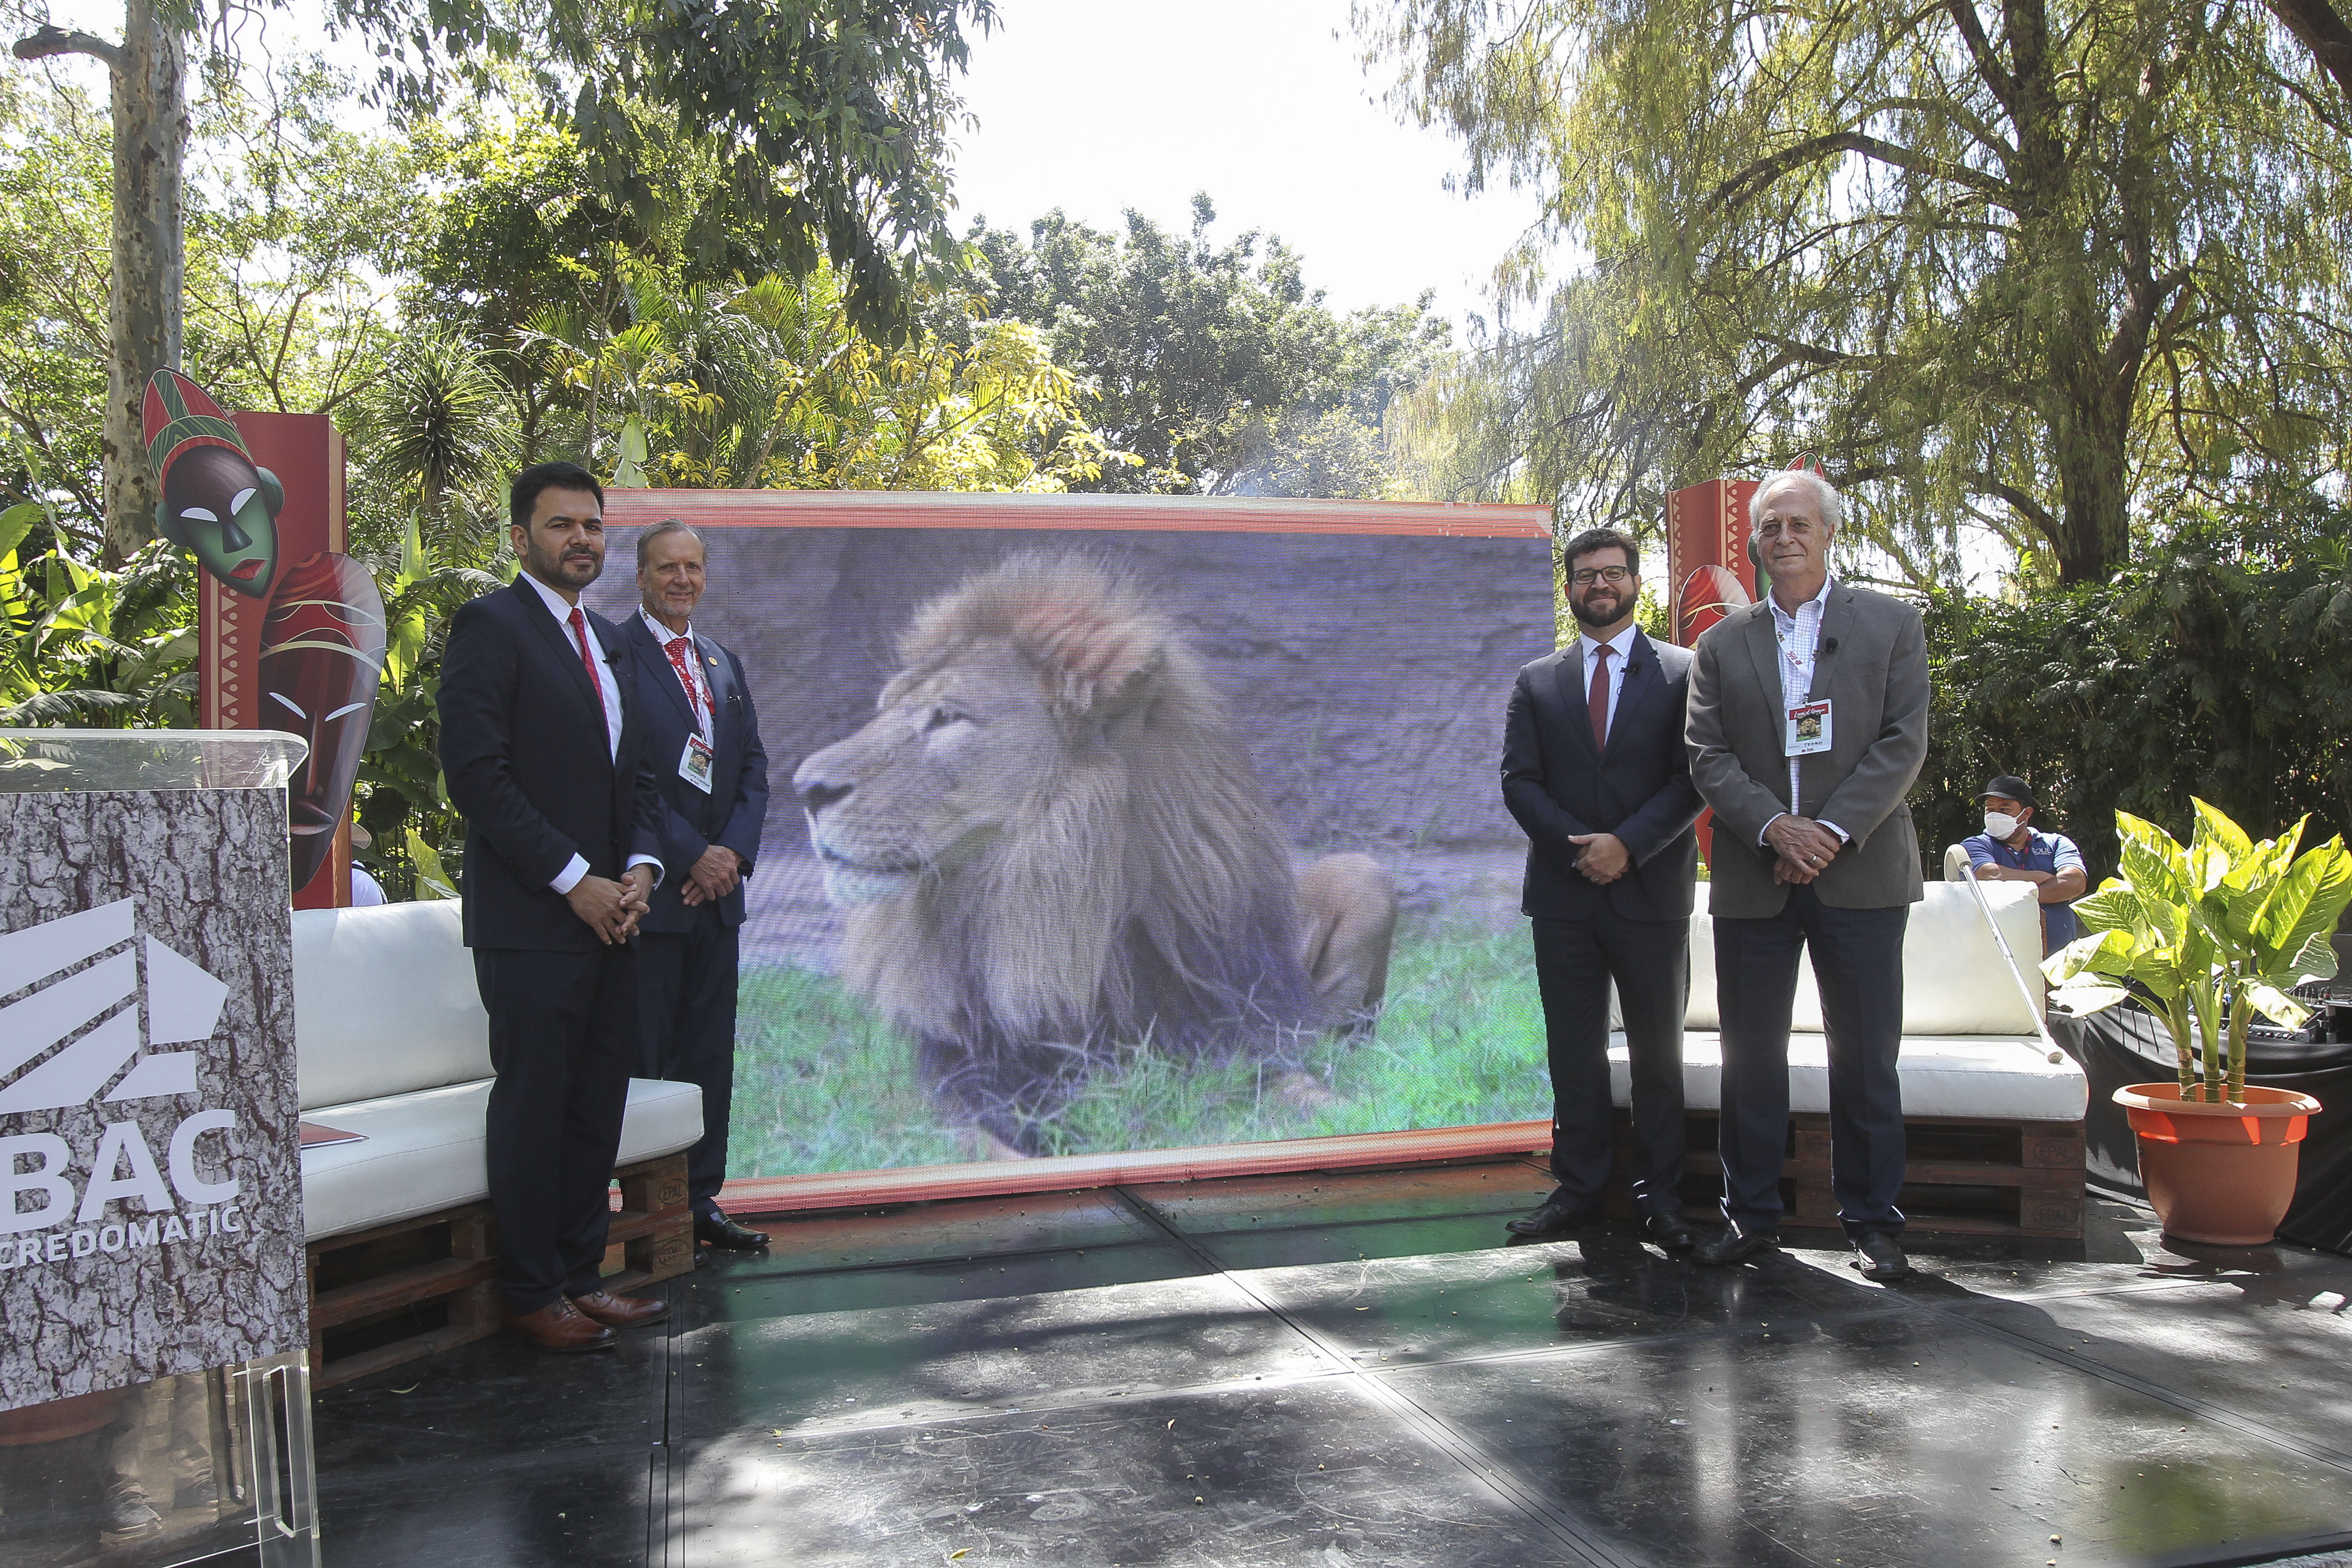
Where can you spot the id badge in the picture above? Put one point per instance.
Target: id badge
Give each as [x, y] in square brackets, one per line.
[694, 765]
[1808, 731]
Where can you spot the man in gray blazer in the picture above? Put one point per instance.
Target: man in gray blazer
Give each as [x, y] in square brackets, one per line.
[1808, 724]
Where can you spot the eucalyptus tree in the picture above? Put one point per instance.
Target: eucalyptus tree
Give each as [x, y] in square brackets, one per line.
[2036, 268]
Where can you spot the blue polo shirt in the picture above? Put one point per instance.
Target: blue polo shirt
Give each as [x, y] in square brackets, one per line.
[2052, 852]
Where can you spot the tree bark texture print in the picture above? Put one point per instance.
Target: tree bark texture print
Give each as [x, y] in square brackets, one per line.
[148, 1112]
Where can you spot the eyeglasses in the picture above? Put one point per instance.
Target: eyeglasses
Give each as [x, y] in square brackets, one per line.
[1613, 575]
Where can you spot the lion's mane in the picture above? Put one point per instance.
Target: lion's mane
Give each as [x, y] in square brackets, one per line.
[1145, 898]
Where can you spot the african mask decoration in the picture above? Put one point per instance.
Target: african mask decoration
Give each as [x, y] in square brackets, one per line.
[321, 657]
[216, 505]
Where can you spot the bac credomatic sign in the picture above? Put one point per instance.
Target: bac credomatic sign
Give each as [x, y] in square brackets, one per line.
[151, 1219]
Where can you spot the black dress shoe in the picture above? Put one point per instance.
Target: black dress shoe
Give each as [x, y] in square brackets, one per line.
[1733, 1245]
[1670, 1231]
[1880, 1257]
[716, 1230]
[1553, 1219]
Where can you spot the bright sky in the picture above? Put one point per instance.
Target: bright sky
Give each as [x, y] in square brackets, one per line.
[1095, 106]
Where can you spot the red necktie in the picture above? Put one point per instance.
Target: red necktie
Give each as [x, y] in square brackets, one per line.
[579, 630]
[682, 662]
[1597, 699]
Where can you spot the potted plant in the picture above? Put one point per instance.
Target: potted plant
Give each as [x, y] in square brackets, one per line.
[2212, 934]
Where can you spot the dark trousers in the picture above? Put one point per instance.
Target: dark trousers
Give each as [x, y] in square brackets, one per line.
[1650, 962]
[563, 1032]
[1858, 967]
[686, 1000]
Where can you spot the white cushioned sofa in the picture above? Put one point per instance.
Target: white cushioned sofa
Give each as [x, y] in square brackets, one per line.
[391, 1044]
[1994, 1122]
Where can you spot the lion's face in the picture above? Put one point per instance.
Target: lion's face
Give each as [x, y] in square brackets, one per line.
[956, 754]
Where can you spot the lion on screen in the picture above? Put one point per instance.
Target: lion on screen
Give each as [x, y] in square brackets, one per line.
[1052, 848]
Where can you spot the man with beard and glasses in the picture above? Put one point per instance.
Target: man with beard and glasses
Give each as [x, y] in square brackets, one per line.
[545, 758]
[1596, 771]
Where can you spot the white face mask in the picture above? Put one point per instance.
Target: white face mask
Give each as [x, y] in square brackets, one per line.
[2000, 824]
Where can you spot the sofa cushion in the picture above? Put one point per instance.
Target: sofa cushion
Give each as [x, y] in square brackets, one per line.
[1954, 981]
[423, 1151]
[2010, 1080]
[384, 1003]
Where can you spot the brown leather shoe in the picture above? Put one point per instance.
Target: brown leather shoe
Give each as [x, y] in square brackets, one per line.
[621, 1311]
[560, 1326]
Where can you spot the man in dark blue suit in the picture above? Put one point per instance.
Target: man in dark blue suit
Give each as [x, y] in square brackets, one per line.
[545, 757]
[1596, 772]
[704, 736]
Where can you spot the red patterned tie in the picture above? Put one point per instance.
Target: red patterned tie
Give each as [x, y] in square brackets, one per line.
[681, 661]
[579, 630]
[1597, 699]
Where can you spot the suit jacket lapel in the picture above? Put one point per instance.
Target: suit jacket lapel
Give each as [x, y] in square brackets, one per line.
[652, 648]
[1764, 651]
[1570, 673]
[716, 679]
[534, 611]
[1640, 673]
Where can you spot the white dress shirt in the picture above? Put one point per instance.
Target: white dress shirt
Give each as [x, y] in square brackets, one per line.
[608, 684]
[1620, 647]
[1800, 635]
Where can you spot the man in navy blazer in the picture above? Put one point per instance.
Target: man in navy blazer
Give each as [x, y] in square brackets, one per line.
[704, 738]
[545, 757]
[1596, 771]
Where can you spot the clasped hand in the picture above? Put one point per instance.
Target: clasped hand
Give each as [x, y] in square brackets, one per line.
[1805, 847]
[1602, 857]
[612, 908]
[712, 876]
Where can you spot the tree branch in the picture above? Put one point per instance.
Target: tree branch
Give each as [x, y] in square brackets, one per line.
[2316, 25]
[1988, 59]
[48, 42]
[1757, 176]
[2026, 506]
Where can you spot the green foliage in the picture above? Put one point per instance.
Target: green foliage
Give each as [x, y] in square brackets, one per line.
[2039, 270]
[2216, 933]
[822, 124]
[2221, 668]
[89, 648]
[1213, 369]
[288, 217]
[55, 184]
[400, 796]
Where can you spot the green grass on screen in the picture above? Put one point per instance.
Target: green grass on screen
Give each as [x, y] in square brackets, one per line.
[823, 1084]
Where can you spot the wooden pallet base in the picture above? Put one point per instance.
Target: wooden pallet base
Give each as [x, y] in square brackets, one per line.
[420, 1286]
[1964, 1176]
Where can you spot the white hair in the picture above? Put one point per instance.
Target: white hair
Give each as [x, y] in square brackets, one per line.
[1826, 501]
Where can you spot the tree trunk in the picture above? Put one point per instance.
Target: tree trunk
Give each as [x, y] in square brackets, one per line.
[2088, 442]
[150, 138]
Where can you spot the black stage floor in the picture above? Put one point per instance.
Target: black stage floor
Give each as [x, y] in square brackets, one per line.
[1344, 1371]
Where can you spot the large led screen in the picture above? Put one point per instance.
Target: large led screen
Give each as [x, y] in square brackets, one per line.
[1090, 840]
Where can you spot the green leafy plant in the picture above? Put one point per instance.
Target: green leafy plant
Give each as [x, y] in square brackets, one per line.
[2215, 932]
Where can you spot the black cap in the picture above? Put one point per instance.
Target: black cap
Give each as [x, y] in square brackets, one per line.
[2009, 786]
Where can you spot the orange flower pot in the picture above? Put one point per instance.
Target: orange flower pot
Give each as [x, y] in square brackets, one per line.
[2222, 1174]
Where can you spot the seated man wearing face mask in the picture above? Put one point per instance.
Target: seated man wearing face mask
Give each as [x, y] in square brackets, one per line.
[2009, 850]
